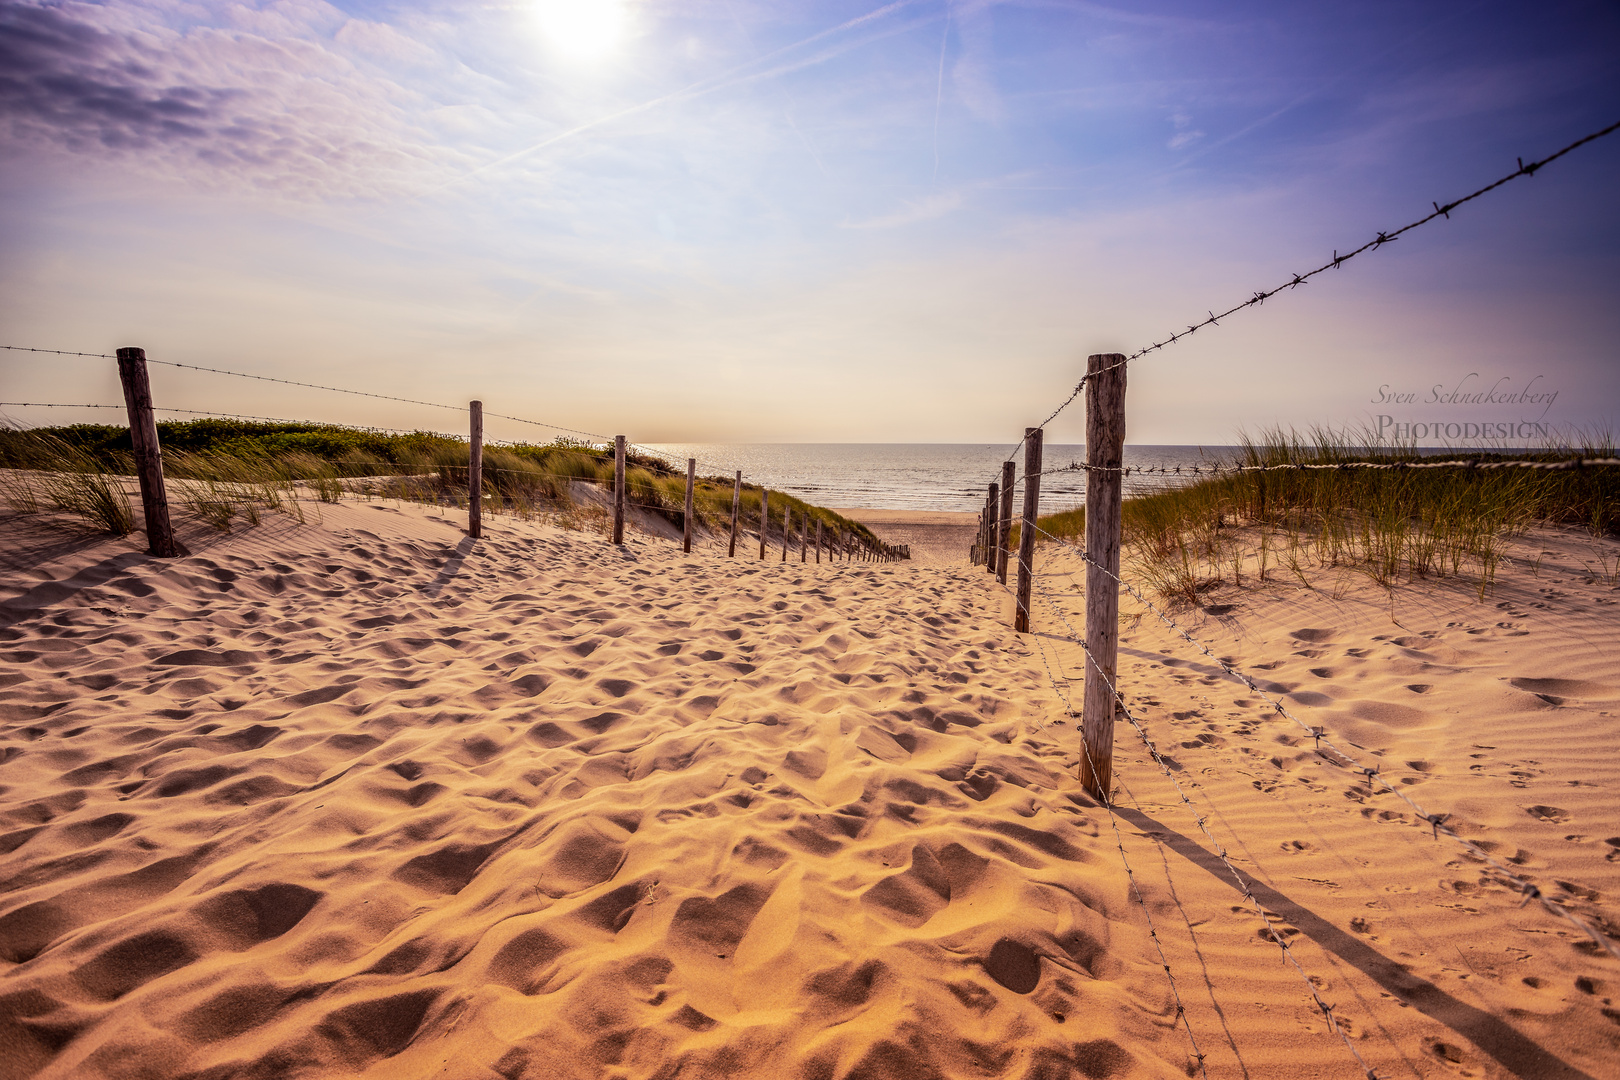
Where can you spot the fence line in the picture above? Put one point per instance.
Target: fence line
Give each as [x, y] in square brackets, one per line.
[344, 390]
[1216, 469]
[1296, 280]
[1437, 822]
[849, 543]
[224, 416]
[1220, 849]
[1119, 842]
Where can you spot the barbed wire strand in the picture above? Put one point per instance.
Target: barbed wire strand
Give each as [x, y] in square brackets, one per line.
[59, 352]
[1141, 899]
[1220, 849]
[1214, 469]
[232, 416]
[1436, 822]
[1296, 280]
[367, 393]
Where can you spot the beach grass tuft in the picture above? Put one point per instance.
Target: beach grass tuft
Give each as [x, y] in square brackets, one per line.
[1390, 524]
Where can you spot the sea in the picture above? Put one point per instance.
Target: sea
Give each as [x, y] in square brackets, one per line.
[925, 476]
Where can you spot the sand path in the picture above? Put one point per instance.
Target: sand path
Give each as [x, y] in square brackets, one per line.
[364, 798]
[1500, 712]
[367, 798]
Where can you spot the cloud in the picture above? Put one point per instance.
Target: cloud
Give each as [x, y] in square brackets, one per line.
[260, 99]
[935, 206]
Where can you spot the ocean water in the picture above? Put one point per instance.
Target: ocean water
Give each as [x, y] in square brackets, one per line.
[921, 476]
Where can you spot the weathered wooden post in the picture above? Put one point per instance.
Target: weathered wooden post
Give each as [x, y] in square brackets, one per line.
[818, 543]
[1026, 532]
[736, 511]
[686, 520]
[787, 529]
[1009, 480]
[804, 539]
[764, 518]
[618, 489]
[1105, 457]
[475, 469]
[143, 436]
[990, 508]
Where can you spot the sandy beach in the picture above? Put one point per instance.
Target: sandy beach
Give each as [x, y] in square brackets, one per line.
[364, 797]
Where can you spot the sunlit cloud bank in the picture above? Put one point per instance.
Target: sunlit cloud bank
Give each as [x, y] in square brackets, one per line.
[741, 221]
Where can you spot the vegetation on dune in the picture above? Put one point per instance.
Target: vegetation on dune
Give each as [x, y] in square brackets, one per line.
[65, 479]
[1391, 524]
[227, 471]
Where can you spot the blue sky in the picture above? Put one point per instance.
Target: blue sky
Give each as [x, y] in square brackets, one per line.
[824, 221]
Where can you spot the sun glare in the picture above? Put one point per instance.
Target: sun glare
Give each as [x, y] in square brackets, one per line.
[582, 29]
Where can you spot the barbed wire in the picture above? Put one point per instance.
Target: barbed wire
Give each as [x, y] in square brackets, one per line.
[1378, 241]
[367, 393]
[1220, 849]
[59, 352]
[1437, 822]
[232, 416]
[1216, 469]
[1296, 280]
[1119, 842]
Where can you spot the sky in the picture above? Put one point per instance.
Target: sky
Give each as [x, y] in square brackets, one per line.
[721, 221]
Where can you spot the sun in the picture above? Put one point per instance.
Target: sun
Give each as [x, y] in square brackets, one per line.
[582, 29]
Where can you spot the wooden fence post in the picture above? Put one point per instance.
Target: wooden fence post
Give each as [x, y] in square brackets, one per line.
[1105, 455]
[991, 507]
[736, 511]
[818, 543]
[804, 540]
[686, 520]
[618, 489]
[143, 436]
[1026, 531]
[764, 518]
[1009, 480]
[475, 469]
[787, 529]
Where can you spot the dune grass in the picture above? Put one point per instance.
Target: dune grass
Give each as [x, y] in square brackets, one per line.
[49, 474]
[1393, 525]
[226, 473]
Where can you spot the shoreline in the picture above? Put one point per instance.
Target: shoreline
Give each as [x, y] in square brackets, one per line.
[937, 537]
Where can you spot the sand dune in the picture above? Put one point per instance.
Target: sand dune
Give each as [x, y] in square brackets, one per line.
[1500, 712]
[365, 798]
[369, 799]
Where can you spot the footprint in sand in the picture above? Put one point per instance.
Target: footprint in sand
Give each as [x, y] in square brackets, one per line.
[1551, 814]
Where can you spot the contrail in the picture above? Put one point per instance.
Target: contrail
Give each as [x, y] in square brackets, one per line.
[939, 95]
[702, 86]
